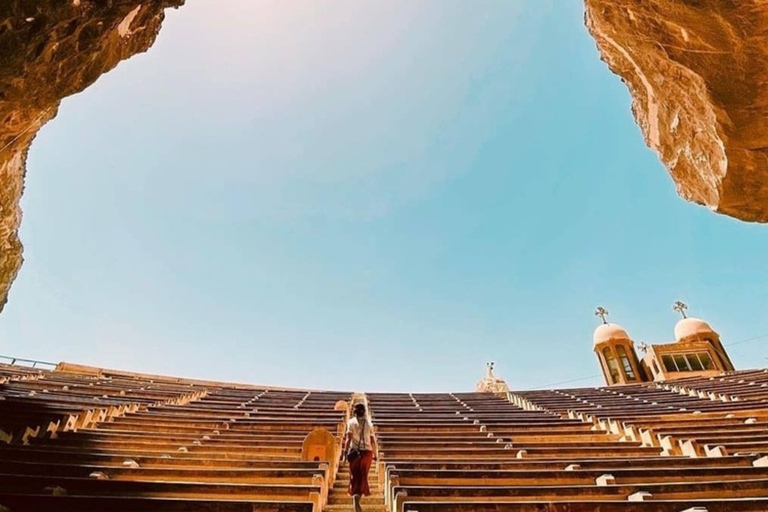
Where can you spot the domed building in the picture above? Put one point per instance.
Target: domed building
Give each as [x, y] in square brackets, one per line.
[689, 329]
[616, 353]
[696, 351]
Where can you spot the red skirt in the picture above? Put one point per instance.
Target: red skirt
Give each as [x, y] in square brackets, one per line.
[358, 474]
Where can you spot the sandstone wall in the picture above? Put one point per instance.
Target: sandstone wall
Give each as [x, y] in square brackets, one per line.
[50, 49]
[697, 72]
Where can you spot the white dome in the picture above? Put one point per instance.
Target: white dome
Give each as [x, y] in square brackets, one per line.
[688, 327]
[608, 332]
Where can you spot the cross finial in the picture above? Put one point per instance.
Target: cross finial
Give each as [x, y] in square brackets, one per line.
[602, 313]
[680, 307]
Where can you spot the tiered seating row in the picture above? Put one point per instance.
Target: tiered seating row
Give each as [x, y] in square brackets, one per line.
[220, 448]
[679, 423]
[15, 372]
[45, 402]
[115, 441]
[469, 451]
[741, 385]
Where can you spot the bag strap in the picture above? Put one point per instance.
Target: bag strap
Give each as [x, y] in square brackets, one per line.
[362, 433]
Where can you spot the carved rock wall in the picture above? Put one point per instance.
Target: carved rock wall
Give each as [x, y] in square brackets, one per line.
[50, 49]
[697, 73]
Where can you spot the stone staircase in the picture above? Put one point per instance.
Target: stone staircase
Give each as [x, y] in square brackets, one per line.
[340, 501]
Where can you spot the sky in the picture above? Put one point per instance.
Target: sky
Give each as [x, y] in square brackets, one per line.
[372, 196]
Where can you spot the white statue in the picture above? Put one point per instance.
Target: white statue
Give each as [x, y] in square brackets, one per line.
[491, 383]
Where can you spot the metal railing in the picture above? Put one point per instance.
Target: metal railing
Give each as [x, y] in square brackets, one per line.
[29, 363]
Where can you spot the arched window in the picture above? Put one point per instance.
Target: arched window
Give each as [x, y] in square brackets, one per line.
[613, 366]
[628, 371]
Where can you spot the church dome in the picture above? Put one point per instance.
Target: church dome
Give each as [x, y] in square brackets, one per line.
[609, 332]
[688, 327]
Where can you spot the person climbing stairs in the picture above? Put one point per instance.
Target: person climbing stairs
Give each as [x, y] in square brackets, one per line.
[339, 499]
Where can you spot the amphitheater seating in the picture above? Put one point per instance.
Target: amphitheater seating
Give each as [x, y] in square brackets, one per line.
[741, 386]
[165, 444]
[673, 416]
[481, 452]
[78, 438]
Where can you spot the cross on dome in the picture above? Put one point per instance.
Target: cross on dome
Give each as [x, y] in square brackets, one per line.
[602, 313]
[680, 307]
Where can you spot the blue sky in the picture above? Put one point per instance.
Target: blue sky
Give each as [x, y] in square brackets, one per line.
[365, 195]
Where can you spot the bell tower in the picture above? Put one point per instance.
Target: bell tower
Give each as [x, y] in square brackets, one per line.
[616, 353]
[689, 331]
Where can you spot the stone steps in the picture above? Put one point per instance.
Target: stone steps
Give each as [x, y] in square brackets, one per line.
[343, 495]
[340, 501]
[367, 507]
[375, 490]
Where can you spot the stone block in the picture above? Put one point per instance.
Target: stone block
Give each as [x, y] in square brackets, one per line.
[715, 451]
[690, 448]
[639, 496]
[604, 480]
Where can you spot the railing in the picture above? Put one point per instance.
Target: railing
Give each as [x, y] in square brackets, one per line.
[29, 363]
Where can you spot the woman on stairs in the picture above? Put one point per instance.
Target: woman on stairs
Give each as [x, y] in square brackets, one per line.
[361, 450]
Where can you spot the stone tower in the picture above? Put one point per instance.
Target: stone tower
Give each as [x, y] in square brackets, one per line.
[692, 330]
[696, 351]
[616, 353]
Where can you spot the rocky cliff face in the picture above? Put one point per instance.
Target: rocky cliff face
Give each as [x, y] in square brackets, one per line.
[697, 72]
[50, 49]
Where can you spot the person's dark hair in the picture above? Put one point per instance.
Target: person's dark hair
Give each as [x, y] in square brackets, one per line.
[359, 409]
